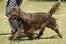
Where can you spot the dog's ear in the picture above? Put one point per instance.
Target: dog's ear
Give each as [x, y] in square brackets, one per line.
[18, 8]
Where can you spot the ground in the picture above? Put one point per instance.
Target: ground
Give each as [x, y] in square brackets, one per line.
[49, 36]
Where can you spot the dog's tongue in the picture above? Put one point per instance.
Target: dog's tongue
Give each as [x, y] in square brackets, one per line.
[11, 17]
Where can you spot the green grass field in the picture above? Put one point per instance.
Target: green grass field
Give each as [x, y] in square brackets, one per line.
[49, 36]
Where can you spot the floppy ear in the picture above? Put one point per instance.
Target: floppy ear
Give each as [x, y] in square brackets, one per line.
[18, 8]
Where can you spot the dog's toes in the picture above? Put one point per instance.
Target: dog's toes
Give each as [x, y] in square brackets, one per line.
[37, 37]
[10, 38]
[31, 38]
[16, 38]
[60, 35]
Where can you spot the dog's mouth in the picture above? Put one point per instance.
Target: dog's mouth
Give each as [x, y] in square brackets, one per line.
[11, 17]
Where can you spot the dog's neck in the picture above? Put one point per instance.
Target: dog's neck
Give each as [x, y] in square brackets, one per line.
[23, 15]
[22, 19]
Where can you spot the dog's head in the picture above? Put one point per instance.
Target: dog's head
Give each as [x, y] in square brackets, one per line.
[14, 12]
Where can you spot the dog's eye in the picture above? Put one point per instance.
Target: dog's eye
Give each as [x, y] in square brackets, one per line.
[13, 8]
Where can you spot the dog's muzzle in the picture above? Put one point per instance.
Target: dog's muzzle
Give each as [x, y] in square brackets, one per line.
[11, 17]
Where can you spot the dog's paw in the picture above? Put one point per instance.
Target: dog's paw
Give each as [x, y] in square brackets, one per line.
[31, 38]
[10, 38]
[16, 38]
[60, 36]
[37, 37]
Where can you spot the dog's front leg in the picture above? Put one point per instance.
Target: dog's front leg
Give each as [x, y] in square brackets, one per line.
[20, 32]
[29, 34]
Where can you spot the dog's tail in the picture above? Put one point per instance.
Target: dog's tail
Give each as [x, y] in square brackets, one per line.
[54, 8]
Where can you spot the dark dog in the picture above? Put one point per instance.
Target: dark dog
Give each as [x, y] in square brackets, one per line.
[31, 22]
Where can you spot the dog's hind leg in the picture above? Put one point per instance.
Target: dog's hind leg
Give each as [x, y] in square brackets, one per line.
[57, 31]
[55, 28]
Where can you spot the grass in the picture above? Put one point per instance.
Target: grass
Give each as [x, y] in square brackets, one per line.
[35, 6]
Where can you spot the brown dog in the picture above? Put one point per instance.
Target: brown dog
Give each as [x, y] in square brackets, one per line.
[30, 22]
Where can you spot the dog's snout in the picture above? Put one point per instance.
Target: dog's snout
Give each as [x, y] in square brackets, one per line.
[9, 12]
